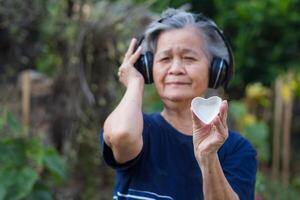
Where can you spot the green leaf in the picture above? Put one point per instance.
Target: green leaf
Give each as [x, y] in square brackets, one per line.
[40, 195]
[258, 135]
[237, 109]
[54, 164]
[12, 152]
[25, 181]
[2, 120]
[2, 192]
[35, 152]
[18, 183]
[13, 123]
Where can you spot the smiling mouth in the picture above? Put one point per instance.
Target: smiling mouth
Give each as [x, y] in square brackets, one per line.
[177, 83]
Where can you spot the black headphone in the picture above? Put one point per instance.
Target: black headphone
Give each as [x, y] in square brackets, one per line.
[220, 71]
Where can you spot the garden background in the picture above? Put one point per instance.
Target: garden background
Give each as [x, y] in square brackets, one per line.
[58, 82]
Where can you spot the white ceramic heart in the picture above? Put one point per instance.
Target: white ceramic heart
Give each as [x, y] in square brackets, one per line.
[206, 109]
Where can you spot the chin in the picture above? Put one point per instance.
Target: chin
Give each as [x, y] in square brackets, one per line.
[178, 97]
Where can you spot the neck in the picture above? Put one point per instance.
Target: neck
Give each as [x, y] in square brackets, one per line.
[178, 114]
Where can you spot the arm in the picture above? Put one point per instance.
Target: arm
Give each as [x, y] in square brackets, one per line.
[215, 185]
[207, 140]
[123, 127]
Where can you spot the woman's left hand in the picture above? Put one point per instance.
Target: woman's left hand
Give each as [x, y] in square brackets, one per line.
[208, 138]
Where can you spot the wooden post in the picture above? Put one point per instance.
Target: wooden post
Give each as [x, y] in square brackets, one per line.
[288, 106]
[25, 81]
[277, 129]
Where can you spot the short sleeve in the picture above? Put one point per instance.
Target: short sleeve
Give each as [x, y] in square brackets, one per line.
[239, 166]
[108, 156]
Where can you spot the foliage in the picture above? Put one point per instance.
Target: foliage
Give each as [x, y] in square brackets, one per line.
[264, 37]
[258, 94]
[204, 6]
[19, 22]
[86, 43]
[267, 189]
[55, 37]
[248, 124]
[152, 102]
[8, 121]
[57, 31]
[28, 168]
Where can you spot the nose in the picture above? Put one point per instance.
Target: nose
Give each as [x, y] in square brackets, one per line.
[176, 67]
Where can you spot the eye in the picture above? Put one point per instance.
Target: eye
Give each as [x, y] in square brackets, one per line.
[189, 58]
[164, 59]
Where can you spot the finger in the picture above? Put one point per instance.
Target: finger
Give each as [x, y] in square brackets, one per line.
[131, 48]
[120, 79]
[223, 112]
[136, 55]
[119, 73]
[220, 127]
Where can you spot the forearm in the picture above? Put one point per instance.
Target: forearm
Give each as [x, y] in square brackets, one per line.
[124, 126]
[215, 184]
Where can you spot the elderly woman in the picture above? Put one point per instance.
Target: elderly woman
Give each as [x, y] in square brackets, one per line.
[173, 154]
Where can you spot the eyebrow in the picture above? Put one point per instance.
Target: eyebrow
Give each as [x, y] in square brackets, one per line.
[184, 51]
[189, 51]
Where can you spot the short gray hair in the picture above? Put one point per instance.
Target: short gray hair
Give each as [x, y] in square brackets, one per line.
[214, 45]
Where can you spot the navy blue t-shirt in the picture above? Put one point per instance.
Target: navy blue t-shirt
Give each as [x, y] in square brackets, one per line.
[166, 168]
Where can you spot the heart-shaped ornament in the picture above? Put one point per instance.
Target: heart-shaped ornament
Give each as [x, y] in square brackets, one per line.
[206, 109]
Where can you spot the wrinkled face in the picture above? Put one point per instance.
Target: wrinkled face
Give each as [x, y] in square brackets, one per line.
[180, 68]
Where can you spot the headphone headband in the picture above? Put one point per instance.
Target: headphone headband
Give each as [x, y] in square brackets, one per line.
[230, 54]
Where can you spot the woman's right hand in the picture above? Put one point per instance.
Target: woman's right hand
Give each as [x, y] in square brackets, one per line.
[127, 72]
[124, 126]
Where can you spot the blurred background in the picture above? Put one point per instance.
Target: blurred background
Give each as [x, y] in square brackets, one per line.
[58, 82]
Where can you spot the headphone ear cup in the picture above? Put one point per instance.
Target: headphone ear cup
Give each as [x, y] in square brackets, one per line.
[144, 65]
[218, 73]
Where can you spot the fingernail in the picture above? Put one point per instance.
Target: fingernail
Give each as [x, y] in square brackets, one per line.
[139, 48]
